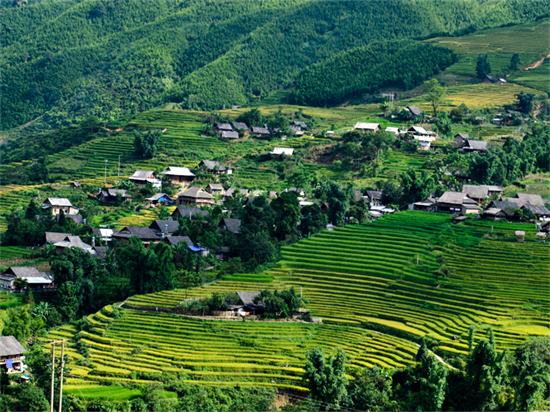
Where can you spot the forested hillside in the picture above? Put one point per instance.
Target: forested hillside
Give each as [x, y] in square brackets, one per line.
[349, 74]
[67, 60]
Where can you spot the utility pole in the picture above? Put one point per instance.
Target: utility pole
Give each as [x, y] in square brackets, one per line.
[62, 367]
[53, 376]
[105, 181]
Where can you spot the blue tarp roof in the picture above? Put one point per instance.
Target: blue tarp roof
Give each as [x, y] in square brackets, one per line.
[194, 248]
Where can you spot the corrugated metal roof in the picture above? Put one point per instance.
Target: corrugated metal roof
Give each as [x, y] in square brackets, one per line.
[9, 346]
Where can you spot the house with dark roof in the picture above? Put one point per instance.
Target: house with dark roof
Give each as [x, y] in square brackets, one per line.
[538, 211]
[535, 200]
[165, 226]
[54, 237]
[11, 354]
[426, 205]
[57, 205]
[174, 240]
[35, 279]
[478, 193]
[223, 127]
[461, 138]
[111, 195]
[475, 146]
[488, 79]
[145, 234]
[246, 305]
[71, 242]
[195, 196]
[300, 124]
[456, 202]
[229, 193]
[414, 112]
[375, 196]
[142, 177]
[179, 175]
[239, 126]
[233, 225]
[260, 131]
[214, 167]
[76, 185]
[188, 213]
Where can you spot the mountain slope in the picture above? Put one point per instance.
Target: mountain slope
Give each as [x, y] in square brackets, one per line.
[72, 59]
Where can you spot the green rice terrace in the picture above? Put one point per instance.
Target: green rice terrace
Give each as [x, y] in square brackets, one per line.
[407, 275]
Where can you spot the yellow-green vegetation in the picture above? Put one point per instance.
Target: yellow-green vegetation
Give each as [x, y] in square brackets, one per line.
[475, 96]
[536, 184]
[537, 77]
[529, 40]
[413, 274]
[215, 352]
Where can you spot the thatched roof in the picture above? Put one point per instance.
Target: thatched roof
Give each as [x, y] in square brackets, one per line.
[9, 346]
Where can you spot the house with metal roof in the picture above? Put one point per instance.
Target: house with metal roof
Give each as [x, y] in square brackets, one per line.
[414, 112]
[35, 279]
[282, 151]
[475, 146]
[230, 135]
[456, 202]
[215, 188]
[72, 242]
[145, 234]
[179, 175]
[223, 127]
[214, 167]
[195, 196]
[158, 199]
[174, 240]
[142, 177]
[11, 354]
[368, 127]
[111, 195]
[59, 204]
[260, 131]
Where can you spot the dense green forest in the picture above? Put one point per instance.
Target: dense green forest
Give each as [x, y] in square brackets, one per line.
[67, 60]
[402, 64]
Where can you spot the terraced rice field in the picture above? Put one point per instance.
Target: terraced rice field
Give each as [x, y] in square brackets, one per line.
[381, 275]
[217, 352]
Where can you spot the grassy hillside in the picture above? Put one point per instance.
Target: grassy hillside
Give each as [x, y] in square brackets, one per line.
[68, 60]
[529, 40]
[413, 274]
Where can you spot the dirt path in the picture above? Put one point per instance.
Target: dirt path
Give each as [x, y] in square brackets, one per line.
[538, 62]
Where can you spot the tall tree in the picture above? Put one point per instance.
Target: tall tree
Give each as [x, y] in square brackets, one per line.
[483, 67]
[435, 93]
[515, 62]
[525, 101]
[146, 142]
[325, 378]
[287, 213]
[338, 199]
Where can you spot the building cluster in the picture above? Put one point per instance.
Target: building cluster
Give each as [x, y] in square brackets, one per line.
[236, 130]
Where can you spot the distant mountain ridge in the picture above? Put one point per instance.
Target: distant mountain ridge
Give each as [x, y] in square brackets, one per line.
[70, 59]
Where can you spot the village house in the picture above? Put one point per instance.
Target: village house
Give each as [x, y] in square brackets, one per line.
[142, 177]
[229, 193]
[175, 240]
[158, 199]
[145, 234]
[461, 138]
[246, 305]
[76, 185]
[195, 196]
[188, 213]
[230, 135]
[524, 198]
[260, 131]
[215, 188]
[538, 211]
[223, 127]
[393, 130]
[104, 234]
[239, 126]
[71, 242]
[35, 279]
[420, 131]
[11, 355]
[474, 146]
[297, 130]
[482, 192]
[414, 112]
[179, 175]
[499, 209]
[456, 202]
[424, 142]
[54, 237]
[214, 167]
[57, 205]
[282, 151]
[375, 197]
[426, 205]
[77, 219]
[368, 127]
[164, 226]
[111, 195]
[233, 225]
[488, 79]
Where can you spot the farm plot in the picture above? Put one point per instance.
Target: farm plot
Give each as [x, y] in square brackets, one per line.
[217, 352]
[413, 274]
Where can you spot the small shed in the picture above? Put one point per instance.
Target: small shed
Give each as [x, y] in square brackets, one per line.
[11, 354]
[369, 127]
[230, 135]
[76, 185]
[520, 236]
[239, 126]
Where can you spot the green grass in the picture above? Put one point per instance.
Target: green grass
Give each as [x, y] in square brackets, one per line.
[530, 41]
[537, 78]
